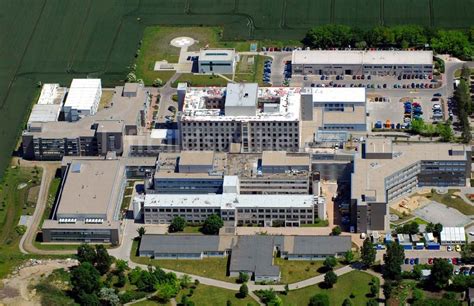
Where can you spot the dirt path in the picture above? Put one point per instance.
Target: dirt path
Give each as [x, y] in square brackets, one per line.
[16, 291]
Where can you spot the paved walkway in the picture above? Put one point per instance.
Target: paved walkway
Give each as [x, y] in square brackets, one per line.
[26, 243]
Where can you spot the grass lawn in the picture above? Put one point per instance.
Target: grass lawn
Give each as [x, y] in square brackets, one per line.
[201, 80]
[293, 271]
[420, 221]
[318, 223]
[457, 73]
[246, 71]
[208, 295]
[105, 99]
[191, 230]
[453, 201]
[148, 303]
[209, 267]
[156, 47]
[355, 282]
[52, 192]
[14, 190]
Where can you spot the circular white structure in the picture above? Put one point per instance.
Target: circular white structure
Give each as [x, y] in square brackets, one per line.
[181, 42]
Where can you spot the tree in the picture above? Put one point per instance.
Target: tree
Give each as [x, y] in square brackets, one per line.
[103, 260]
[438, 228]
[440, 273]
[393, 260]
[453, 42]
[330, 278]
[347, 302]
[349, 256]
[141, 231]
[319, 299]
[85, 278]
[243, 277]
[287, 289]
[372, 302]
[243, 291]
[89, 299]
[387, 289]
[467, 253]
[336, 230]
[417, 126]
[417, 294]
[185, 281]
[445, 132]
[328, 36]
[330, 262]
[177, 224]
[108, 295]
[466, 73]
[131, 77]
[374, 289]
[212, 225]
[86, 253]
[157, 82]
[121, 265]
[368, 253]
[166, 291]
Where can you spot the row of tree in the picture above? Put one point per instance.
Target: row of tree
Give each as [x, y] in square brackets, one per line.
[464, 105]
[459, 43]
[211, 225]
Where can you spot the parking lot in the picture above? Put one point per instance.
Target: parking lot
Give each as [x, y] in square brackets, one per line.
[392, 110]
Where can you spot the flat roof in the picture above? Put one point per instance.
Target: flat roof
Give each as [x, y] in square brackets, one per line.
[216, 55]
[282, 158]
[83, 93]
[52, 94]
[194, 107]
[110, 126]
[126, 109]
[340, 94]
[91, 188]
[193, 158]
[358, 57]
[369, 173]
[229, 200]
[45, 113]
[241, 95]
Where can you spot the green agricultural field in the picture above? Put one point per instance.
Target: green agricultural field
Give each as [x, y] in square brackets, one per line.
[57, 40]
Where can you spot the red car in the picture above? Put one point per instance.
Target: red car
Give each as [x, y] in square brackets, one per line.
[430, 261]
[416, 104]
[454, 261]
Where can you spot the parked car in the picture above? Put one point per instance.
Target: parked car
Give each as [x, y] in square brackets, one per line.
[449, 248]
[458, 248]
[407, 261]
[430, 261]
[436, 106]
[412, 261]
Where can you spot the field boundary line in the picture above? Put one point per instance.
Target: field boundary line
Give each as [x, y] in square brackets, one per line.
[81, 33]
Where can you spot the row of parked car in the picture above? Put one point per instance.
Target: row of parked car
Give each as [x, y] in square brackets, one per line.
[267, 70]
[415, 77]
[416, 85]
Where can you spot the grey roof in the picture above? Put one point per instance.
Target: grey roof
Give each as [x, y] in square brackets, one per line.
[254, 254]
[321, 245]
[179, 244]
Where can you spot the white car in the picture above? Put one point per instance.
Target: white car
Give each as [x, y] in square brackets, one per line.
[450, 248]
[436, 106]
[471, 233]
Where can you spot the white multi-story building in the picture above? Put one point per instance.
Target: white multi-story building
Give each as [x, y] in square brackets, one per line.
[241, 118]
[83, 99]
